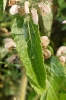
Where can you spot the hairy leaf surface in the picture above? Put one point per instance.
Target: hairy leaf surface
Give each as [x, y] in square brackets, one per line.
[56, 80]
[27, 38]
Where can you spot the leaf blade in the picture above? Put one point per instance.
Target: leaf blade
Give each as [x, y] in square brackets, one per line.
[56, 80]
[28, 45]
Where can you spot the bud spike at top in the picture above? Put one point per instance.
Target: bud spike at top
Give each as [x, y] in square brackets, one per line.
[34, 16]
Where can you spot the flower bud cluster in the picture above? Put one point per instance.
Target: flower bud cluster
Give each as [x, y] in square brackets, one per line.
[61, 54]
[44, 8]
[45, 42]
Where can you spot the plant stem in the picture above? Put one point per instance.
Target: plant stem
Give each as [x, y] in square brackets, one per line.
[23, 86]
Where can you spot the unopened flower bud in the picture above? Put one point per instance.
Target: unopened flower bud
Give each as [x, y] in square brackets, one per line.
[26, 7]
[64, 22]
[14, 9]
[10, 59]
[9, 43]
[44, 8]
[61, 51]
[46, 53]
[45, 41]
[62, 59]
[34, 16]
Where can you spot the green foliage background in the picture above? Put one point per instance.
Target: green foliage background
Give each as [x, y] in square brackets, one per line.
[10, 74]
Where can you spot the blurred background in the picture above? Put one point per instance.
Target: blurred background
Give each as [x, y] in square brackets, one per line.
[11, 68]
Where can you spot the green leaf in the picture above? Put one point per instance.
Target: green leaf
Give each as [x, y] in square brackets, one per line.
[56, 80]
[44, 96]
[27, 38]
[60, 2]
[1, 9]
[45, 23]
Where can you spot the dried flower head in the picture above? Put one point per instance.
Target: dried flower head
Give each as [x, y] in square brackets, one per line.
[9, 43]
[46, 53]
[34, 16]
[14, 9]
[26, 7]
[45, 41]
[44, 8]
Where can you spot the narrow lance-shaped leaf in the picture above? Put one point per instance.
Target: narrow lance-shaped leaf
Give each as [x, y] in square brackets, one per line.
[45, 22]
[27, 38]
